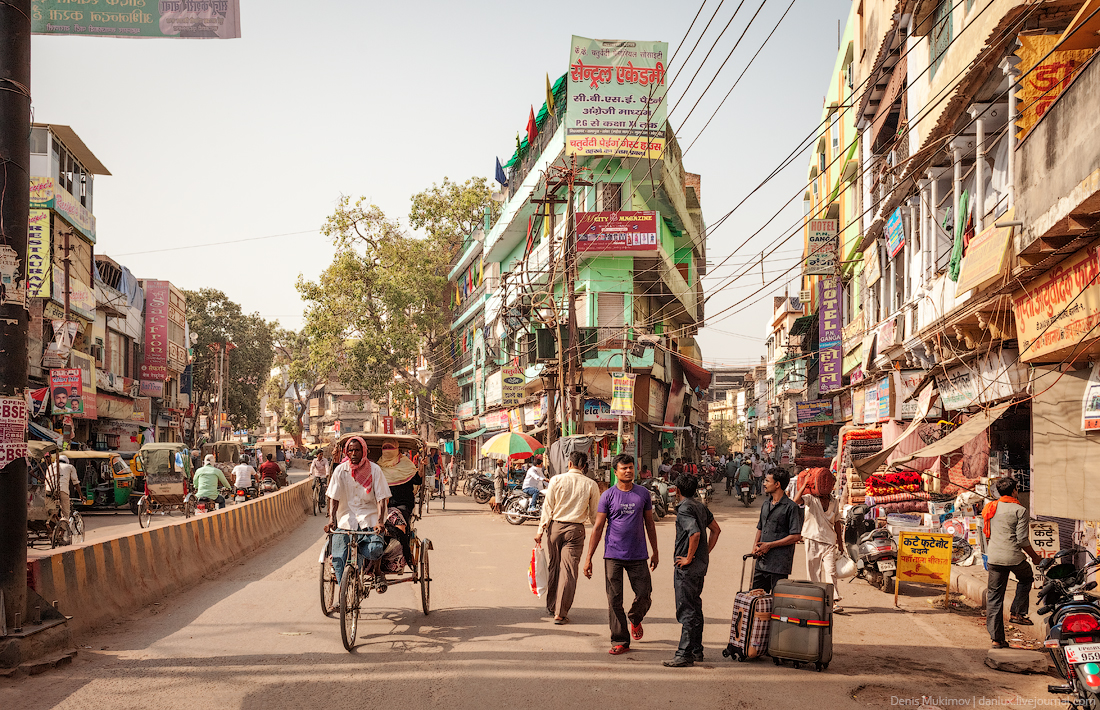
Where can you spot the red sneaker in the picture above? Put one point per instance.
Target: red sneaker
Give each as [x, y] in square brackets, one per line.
[636, 631]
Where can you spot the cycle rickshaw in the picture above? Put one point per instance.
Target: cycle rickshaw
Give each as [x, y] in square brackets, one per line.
[44, 523]
[359, 581]
[168, 474]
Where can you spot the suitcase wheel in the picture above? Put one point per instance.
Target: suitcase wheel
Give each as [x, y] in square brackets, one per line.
[777, 661]
[819, 667]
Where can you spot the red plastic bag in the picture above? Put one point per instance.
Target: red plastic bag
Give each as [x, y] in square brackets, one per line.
[538, 572]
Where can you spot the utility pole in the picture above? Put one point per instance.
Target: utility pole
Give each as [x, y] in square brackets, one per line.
[15, 126]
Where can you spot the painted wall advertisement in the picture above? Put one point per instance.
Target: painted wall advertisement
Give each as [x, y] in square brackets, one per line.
[617, 231]
[1090, 402]
[493, 389]
[1046, 74]
[821, 247]
[597, 410]
[830, 368]
[622, 394]
[1061, 308]
[512, 383]
[154, 367]
[818, 412]
[179, 19]
[616, 98]
[66, 391]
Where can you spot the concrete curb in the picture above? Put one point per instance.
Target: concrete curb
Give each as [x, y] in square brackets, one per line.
[109, 580]
[968, 585]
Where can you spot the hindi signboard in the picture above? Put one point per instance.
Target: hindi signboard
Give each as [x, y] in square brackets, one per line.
[622, 394]
[817, 412]
[512, 383]
[1044, 538]
[895, 233]
[923, 557]
[616, 231]
[986, 256]
[821, 246]
[1090, 402]
[1061, 308]
[616, 98]
[180, 19]
[155, 365]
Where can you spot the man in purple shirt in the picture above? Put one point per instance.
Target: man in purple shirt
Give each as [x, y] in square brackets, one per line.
[627, 512]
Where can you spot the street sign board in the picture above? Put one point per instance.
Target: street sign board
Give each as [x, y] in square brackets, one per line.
[181, 19]
[923, 557]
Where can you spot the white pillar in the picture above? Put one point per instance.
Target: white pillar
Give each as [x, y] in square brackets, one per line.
[925, 235]
[977, 112]
[934, 208]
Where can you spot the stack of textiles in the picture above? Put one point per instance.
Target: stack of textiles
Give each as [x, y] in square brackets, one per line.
[812, 450]
[857, 490]
[881, 484]
[803, 462]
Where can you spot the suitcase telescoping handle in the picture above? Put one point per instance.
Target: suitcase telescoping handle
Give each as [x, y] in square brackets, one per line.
[744, 561]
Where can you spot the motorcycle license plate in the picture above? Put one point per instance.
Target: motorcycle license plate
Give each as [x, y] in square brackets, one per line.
[1083, 653]
[886, 566]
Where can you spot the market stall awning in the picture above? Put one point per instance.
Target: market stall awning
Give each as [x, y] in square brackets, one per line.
[866, 466]
[956, 439]
[472, 434]
[696, 375]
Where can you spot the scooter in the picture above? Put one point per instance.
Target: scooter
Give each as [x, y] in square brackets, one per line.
[269, 485]
[517, 507]
[658, 490]
[874, 551]
[1073, 640]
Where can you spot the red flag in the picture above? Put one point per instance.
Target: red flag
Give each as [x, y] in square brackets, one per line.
[532, 129]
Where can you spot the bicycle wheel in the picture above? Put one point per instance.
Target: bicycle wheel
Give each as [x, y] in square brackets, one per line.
[145, 516]
[76, 527]
[467, 486]
[315, 503]
[425, 578]
[328, 587]
[349, 607]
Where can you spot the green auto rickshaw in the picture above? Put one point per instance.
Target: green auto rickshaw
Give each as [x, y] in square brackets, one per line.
[106, 481]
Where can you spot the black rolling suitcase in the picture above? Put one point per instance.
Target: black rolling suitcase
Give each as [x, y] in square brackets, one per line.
[802, 623]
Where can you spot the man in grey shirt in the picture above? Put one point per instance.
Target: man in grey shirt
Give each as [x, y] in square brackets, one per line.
[1007, 548]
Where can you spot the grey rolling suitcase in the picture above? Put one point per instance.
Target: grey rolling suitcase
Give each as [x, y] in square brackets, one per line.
[802, 623]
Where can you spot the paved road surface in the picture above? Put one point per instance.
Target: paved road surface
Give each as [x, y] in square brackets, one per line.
[252, 636]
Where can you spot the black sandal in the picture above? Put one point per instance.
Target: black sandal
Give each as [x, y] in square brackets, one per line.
[1020, 621]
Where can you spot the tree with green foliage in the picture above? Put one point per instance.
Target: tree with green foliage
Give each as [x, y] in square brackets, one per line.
[726, 436]
[381, 304]
[214, 319]
[301, 377]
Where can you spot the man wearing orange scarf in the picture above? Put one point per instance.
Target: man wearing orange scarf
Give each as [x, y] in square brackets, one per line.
[1005, 526]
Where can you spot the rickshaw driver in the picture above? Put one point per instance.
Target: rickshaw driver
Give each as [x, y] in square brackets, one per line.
[207, 479]
[59, 475]
[360, 496]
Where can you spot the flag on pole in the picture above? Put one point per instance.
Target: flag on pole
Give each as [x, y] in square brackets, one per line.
[500, 176]
[549, 95]
[532, 129]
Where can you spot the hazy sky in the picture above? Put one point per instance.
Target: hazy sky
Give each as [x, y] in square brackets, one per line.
[221, 140]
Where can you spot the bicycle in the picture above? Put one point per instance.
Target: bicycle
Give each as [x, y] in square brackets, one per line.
[319, 490]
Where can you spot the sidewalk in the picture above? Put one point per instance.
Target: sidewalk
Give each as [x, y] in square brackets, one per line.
[970, 582]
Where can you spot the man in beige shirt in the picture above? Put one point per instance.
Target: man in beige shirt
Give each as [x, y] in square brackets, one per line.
[570, 501]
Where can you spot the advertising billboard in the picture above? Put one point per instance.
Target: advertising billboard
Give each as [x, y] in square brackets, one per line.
[155, 365]
[616, 231]
[179, 19]
[616, 98]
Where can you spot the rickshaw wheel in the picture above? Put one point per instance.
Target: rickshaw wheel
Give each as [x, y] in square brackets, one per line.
[76, 527]
[145, 516]
[57, 533]
[188, 509]
[349, 607]
[425, 578]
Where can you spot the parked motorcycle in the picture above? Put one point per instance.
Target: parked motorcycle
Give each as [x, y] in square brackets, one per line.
[658, 493]
[483, 490]
[1073, 640]
[517, 507]
[874, 551]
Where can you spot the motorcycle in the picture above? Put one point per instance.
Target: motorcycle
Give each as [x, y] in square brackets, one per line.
[483, 490]
[658, 494]
[706, 491]
[874, 551]
[269, 485]
[517, 507]
[242, 494]
[1073, 641]
[746, 496]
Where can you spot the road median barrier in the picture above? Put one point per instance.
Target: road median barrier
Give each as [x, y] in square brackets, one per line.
[109, 580]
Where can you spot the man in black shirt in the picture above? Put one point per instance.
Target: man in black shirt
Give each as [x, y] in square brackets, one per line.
[693, 520]
[777, 532]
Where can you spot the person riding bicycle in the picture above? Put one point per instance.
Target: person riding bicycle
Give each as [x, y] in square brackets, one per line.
[318, 472]
[360, 497]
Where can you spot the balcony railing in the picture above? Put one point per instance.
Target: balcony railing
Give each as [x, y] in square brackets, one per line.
[463, 360]
[472, 297]
[517, 173]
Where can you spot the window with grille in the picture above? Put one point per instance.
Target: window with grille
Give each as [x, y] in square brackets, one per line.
[611, 197]
[940, 37]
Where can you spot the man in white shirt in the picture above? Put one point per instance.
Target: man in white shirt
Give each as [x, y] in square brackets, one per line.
[58, 477]
[359, 494]
[318, 473]
[243, 474]
[823, 533]
[534, 482]
[572, 499]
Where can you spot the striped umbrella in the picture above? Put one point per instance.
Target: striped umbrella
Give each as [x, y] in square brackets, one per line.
[512, 445]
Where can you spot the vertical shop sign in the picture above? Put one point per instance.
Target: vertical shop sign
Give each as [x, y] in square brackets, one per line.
[622, 394]
[155, 365]
[830, 336]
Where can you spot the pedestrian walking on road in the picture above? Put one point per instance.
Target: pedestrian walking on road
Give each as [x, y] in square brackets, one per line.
[500, 483]
[627, 512]
[572, 499]
[1007, 549]
[777, 532]
[823, 531]
[693, 548]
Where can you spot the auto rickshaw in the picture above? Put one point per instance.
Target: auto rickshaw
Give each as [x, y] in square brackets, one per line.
[358, 583]
[227, 454]
[278, 455]
[106, 481]
[168, 475]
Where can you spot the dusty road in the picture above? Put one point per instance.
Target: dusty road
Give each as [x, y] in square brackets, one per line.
[252, 636]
